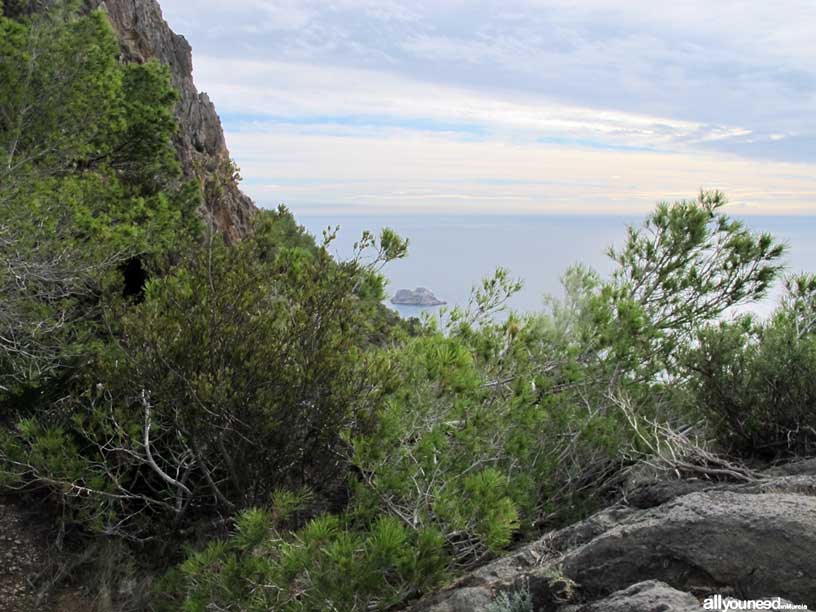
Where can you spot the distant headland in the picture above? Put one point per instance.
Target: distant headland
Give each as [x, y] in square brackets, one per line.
[418, 297]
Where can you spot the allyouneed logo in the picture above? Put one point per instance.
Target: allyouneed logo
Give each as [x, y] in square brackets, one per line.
[718, 602]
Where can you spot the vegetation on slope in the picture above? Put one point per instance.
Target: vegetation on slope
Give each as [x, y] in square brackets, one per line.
[250, 415]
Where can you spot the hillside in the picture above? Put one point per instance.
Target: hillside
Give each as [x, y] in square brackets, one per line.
[222, 415]
[143, 35]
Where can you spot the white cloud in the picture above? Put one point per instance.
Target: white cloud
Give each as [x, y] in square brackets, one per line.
[430, 172]
[310, 94]
[512, 104]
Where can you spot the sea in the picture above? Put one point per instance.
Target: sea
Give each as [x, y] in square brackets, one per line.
[451, 254]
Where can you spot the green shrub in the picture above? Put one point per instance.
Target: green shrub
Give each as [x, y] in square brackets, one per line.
[241, 372]
[327, 565]
[89, 181]
[484, 434]
[499, 427]
[756, 382]
[685, 266]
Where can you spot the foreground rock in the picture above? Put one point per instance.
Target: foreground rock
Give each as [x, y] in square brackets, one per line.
[418, 297]
[748, 541]
[759, 544]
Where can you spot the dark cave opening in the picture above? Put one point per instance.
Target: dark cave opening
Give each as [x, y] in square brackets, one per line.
[135, 278]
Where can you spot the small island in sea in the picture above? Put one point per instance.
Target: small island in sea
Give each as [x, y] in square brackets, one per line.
[418, 297]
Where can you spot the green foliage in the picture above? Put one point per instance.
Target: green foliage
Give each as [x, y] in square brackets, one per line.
[266, 343]
[274, 228]
[425, 458]
[688, 264]
[88, 181]
[495, 427]
[325, 566]
[241, 372]
[755, 383]
[472, 440]
[70, 109]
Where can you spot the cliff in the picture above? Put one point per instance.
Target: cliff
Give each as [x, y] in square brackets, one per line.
[143, 35]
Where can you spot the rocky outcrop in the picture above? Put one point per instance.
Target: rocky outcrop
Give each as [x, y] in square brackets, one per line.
[418, 297]
[759, 544]
[143, 35]
[747, 541]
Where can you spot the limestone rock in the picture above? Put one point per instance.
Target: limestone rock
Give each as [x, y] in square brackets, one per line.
[468, 599]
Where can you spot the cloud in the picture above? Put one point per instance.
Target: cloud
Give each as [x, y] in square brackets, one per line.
[431, 172]
[722, 62]
[698, 93]
[254, 93]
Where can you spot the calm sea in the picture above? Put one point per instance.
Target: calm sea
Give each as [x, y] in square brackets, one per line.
[450, 254]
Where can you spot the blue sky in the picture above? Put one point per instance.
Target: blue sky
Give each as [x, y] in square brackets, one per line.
[513, 106]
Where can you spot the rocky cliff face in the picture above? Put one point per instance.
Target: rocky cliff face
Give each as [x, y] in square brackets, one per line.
[143, 35]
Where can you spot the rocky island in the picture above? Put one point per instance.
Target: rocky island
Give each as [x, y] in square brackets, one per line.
[418, 297]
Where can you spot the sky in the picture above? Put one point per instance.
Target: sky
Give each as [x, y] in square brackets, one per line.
[511, 106]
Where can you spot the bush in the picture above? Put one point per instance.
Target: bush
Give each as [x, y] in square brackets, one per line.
[88, 182]
[687, 265]
[495, 429]
[484, 435]
[241, 372]
[327, 565]
[755, 383]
